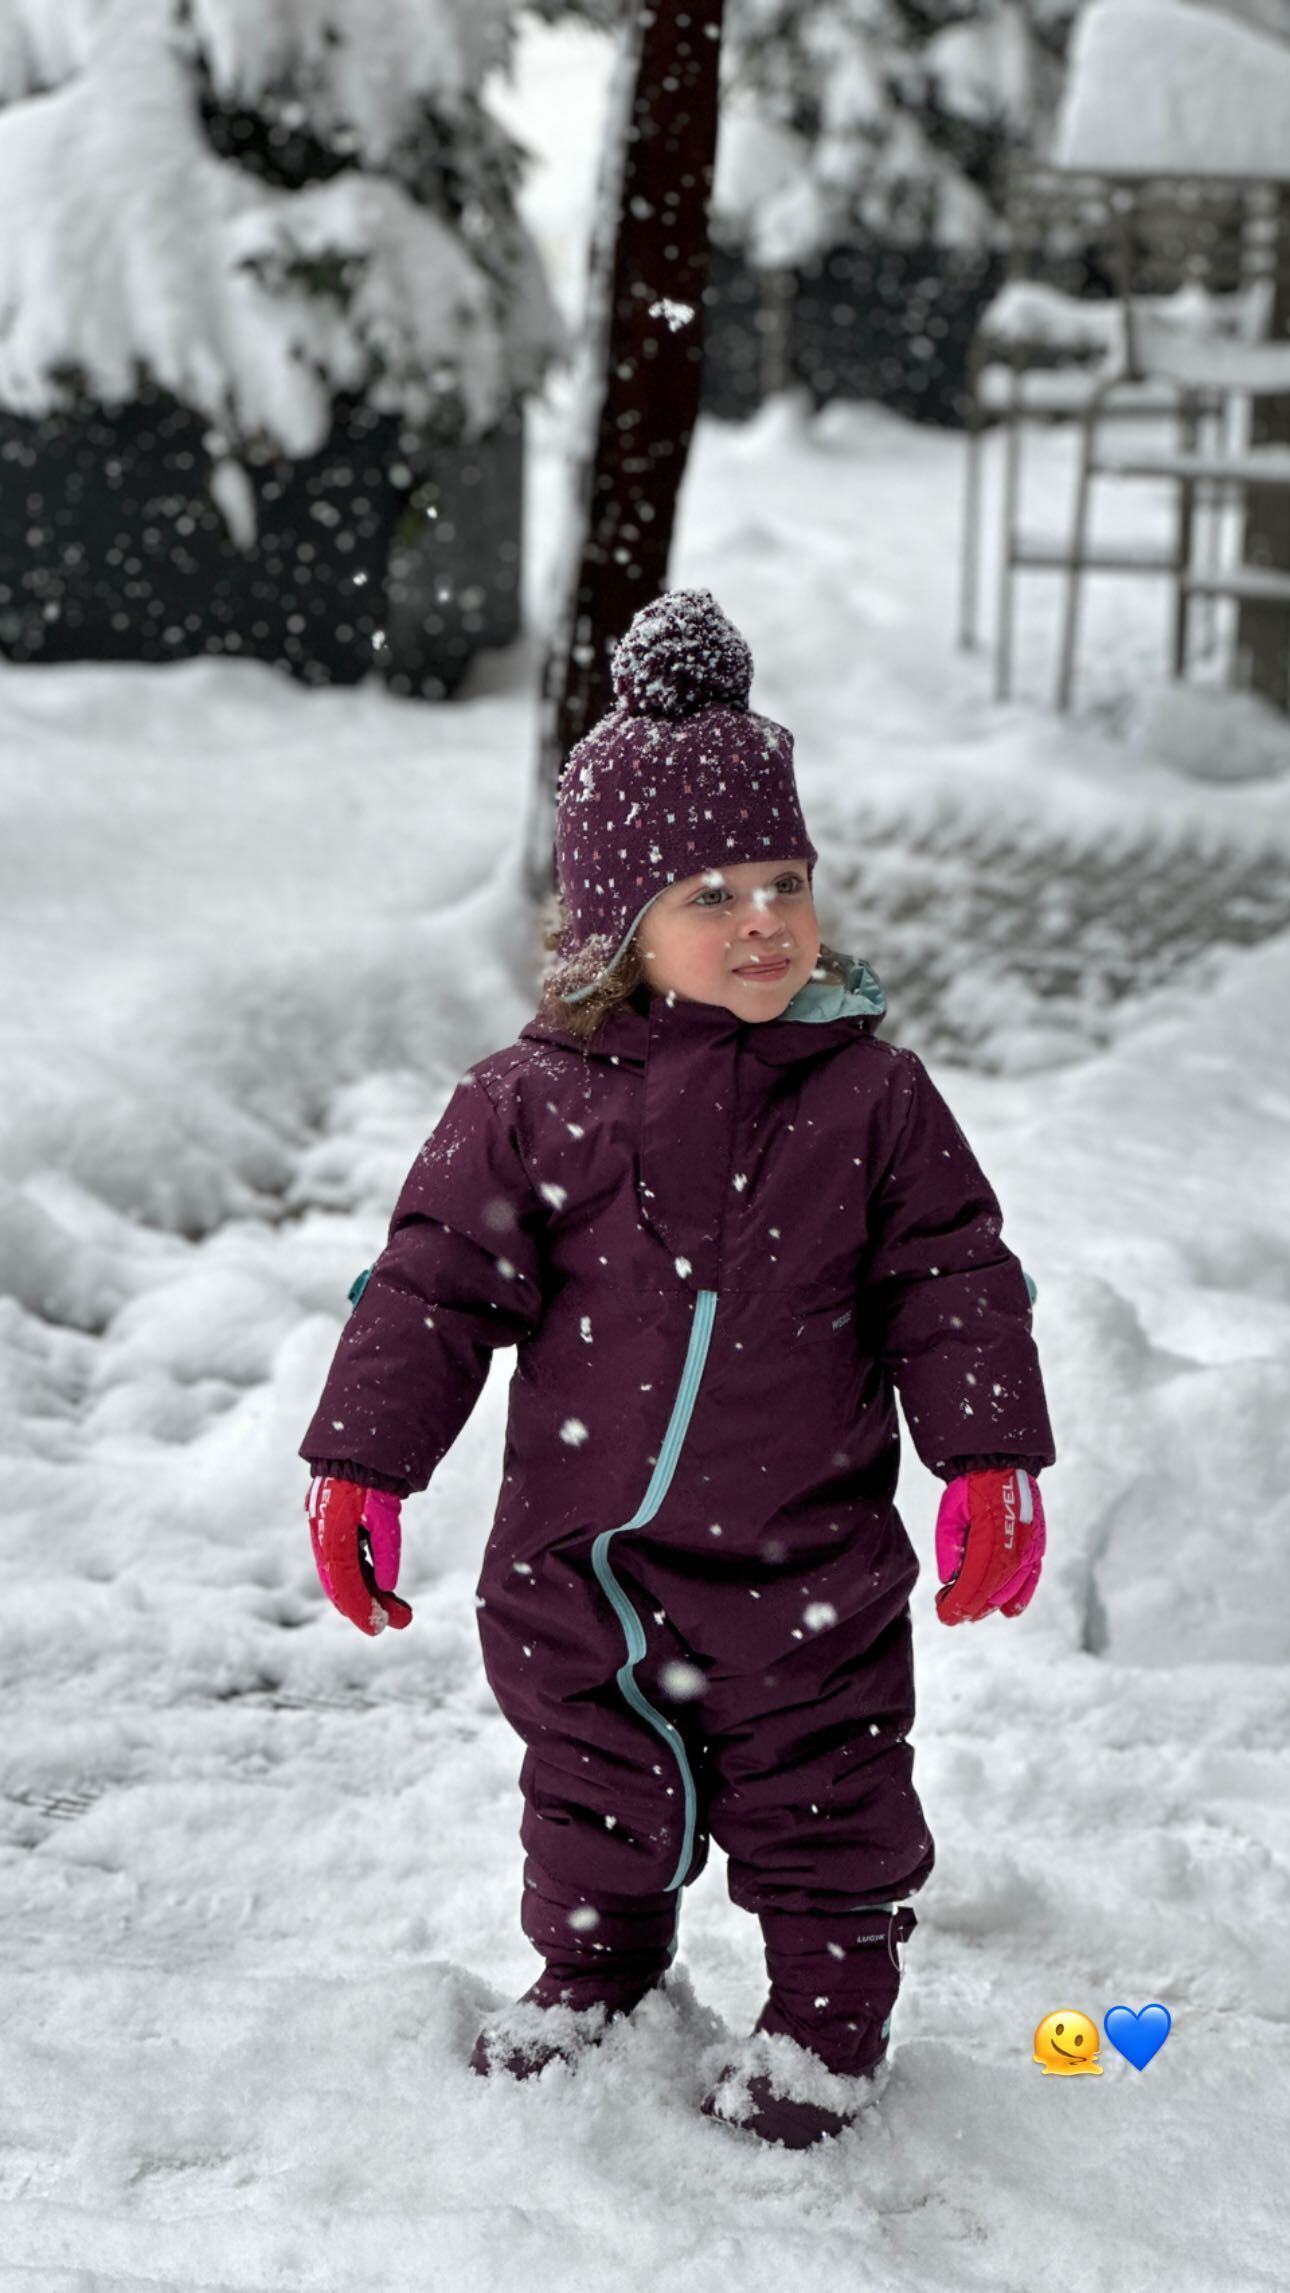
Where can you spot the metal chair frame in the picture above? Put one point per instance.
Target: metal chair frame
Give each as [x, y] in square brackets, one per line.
[1205, 467]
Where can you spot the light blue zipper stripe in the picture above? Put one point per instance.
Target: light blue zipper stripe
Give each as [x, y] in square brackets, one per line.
[705, 1307]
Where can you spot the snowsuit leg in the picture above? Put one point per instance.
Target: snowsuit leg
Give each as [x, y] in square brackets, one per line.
[813, 1796]
[605, 1824]
[813, 1800]
[834, 1981]
[612, 1798]
[610, 1948]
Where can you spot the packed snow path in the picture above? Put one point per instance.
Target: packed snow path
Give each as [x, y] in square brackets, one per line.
[1062, 929]
[258, 1877]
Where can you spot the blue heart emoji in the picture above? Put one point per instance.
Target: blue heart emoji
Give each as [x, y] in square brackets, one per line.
[1138, 2037]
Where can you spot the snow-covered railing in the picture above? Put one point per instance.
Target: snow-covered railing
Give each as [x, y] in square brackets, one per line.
[1031, 318]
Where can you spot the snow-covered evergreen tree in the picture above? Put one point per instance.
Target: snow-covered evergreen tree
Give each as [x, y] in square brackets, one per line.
[259, 206]
[878, 120]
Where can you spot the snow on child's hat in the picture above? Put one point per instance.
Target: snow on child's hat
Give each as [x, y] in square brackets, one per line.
[681, 776]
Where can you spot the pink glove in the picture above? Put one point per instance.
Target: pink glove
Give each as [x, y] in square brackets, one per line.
[357, 1541]
[990, 1540]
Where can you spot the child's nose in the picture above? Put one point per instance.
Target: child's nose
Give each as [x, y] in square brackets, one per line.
[760, 915]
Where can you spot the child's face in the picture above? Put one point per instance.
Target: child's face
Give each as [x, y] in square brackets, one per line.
[744, 937]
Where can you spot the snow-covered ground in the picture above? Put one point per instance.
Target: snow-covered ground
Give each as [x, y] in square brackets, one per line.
[259, 1878]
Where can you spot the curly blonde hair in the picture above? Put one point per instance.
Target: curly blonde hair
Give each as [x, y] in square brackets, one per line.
[562, 975]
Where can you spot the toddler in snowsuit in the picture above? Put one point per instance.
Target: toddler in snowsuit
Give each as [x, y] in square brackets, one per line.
[722, 1223]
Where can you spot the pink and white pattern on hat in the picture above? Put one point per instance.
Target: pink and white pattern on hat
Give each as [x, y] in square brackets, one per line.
[681, 776]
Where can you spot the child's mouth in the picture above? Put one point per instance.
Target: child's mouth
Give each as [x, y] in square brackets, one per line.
[773, 968]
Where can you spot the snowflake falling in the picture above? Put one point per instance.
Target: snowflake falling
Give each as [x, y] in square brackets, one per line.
[682, 1682]
[674, 314]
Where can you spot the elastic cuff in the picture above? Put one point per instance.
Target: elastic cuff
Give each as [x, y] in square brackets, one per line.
[954, 1466]
[330, 1470]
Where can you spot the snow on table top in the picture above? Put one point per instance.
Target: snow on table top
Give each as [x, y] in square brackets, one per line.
[1162, 87]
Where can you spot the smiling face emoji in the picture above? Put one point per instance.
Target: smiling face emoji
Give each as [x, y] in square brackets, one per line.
[1066, 2043]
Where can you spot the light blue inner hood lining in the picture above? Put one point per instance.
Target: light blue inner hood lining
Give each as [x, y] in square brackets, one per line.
[861, 997]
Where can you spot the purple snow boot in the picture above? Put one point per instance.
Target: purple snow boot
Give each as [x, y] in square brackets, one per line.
[602, 1952]
[555, 2021]
[759, 2102]
[821, 2038]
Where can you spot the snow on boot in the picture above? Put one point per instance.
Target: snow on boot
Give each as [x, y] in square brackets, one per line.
[557, 2020]
[822, 2034]
[602, 1953]
[756, 2108]
[834, 1981]
[781, 2093]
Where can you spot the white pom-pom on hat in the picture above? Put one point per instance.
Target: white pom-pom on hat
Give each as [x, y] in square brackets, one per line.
[681, 655]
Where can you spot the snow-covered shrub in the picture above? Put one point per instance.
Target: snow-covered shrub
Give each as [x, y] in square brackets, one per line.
[879, 120]
[388, 263]
[265, 296]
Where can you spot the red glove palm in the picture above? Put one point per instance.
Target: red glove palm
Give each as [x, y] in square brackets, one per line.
[357, 1543]
[990, 1541]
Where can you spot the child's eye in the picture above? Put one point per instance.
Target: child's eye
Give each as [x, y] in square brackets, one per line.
[716, 893]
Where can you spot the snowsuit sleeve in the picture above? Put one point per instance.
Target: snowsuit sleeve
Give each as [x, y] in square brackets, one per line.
[460, 1275]
[949, 1300]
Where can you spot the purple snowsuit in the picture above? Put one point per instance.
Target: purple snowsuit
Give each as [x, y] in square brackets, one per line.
[719, 1248]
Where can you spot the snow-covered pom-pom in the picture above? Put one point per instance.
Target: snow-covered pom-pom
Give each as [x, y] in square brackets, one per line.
[681, 655]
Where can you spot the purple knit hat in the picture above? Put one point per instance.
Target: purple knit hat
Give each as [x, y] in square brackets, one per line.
[681, 776]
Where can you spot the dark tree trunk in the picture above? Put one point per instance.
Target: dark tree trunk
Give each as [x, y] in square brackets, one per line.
[643, 369]
[1263, 631]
